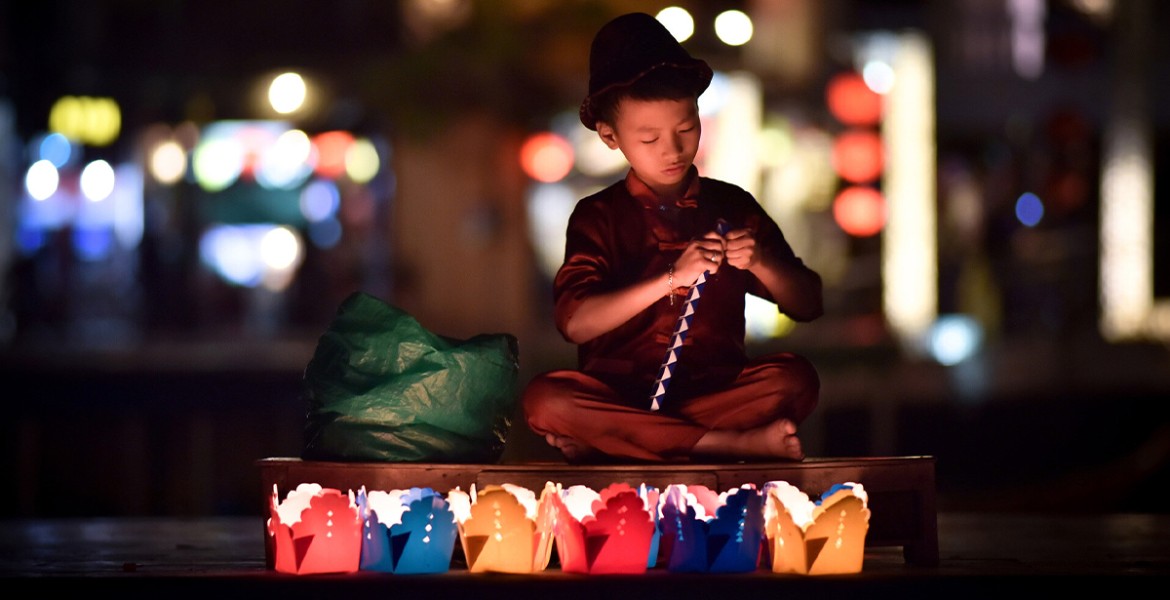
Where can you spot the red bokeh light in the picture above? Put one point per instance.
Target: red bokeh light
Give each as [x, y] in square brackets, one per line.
[546, 157]
[858, 156]
[860, 211]
[332, 147]
[851, 101]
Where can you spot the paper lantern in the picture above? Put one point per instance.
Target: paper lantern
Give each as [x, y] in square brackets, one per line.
[315, 530]
[611, 531]
[406, 531]
[707, 532]
[504, 528]
[825, 537]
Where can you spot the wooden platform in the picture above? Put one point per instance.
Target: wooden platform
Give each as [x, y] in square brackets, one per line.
[901, 489]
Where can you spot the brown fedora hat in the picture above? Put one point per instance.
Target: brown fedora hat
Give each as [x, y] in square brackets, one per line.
[629, 47]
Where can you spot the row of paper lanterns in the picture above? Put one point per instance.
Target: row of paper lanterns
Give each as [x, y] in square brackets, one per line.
[618, 529]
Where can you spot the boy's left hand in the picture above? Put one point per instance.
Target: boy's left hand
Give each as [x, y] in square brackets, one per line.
[740, 248]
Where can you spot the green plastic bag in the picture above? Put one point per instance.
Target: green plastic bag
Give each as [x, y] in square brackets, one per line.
[380, 387]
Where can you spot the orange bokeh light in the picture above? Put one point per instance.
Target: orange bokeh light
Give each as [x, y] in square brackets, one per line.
[546, 157]
[331, 149]
[860, 211]
[851, 101]
[857, 156]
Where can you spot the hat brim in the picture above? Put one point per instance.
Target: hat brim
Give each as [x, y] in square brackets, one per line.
[703, 75]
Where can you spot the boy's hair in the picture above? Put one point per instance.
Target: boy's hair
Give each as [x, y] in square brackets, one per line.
[664, 83]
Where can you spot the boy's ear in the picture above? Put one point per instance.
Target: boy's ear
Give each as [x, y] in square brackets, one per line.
[607, 134]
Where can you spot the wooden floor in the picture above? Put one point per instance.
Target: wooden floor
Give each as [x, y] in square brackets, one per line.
[224, 556]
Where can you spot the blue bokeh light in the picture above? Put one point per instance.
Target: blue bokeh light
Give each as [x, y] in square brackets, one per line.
[1029, 209]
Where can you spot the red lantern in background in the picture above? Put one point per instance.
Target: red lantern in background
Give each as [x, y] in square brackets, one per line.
[546, 157]
[860, 211]
[851, 101]
[857, 156]
[332, 147]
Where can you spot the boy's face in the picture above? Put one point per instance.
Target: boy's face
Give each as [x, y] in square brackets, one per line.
[659, 138]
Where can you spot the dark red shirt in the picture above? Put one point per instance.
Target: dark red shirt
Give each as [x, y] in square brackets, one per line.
[624, 234]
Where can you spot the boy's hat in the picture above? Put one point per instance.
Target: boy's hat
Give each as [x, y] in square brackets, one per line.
[629, 47]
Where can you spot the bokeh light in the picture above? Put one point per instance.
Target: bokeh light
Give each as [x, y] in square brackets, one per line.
[320, 200]
[955, 338]
[546, 157]
[92, 244]
[97, 180]
[287, 93]
[851, 101]
[733, 27]
[878, 76]
[332, 149]
[168, 162]
[41, 180]
[678, 21]
[857, 156]
[57, 149]
[860, 211]
[361, 161]
[287, 162]
[279, 248]
[251, 255]
[92, 121]
[775, 145]
[217, 163]
[1029, 209]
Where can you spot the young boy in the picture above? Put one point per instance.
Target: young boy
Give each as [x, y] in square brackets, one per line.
[633, 251]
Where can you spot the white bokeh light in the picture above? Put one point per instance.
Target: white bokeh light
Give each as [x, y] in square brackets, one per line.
[41, 180]
[677, 21]
[97, 180]
[287, 93]
[733, 27]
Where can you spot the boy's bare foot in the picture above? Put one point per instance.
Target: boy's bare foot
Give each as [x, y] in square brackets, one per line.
[776, 440]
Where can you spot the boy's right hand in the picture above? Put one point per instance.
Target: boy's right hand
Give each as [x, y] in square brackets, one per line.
[703, 255]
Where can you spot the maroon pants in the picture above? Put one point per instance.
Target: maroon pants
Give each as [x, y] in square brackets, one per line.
[583, 408]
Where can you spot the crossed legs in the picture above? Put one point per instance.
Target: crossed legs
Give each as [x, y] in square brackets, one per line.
[755, 417]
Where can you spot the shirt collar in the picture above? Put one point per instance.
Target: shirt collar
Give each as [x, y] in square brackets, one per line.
[648, 199]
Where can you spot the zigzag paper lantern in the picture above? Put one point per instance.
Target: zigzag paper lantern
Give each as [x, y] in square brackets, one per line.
[826, 537]
[504, 528]
[406, 531]
[707, 532]
[608, 532]
[315, 530]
